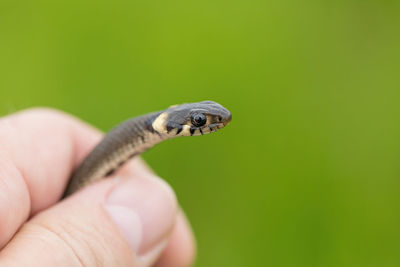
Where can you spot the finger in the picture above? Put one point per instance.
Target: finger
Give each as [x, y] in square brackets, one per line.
[181, 248]
[38, 150]
[117, 222]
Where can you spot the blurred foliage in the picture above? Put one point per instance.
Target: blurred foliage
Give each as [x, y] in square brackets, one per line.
[307, 173]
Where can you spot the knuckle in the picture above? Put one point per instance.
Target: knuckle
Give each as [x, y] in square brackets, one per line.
[82, 243]
[86, 235]
[43, 111]
[51, 241]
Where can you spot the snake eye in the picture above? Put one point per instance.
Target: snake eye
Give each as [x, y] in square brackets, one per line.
[199, 119]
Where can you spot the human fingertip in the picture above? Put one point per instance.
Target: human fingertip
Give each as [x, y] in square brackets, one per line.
[144, 209]
[181, 248]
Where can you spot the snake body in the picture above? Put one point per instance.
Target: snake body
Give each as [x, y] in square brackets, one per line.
[136, 135]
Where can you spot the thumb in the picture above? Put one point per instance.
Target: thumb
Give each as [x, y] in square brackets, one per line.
[118, 222]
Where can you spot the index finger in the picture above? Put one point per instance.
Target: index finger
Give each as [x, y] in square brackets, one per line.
[39, 148]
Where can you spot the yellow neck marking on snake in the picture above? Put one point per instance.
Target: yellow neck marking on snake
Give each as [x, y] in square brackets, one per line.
[160, 123]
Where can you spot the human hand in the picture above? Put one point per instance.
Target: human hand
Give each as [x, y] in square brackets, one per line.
[131, 219]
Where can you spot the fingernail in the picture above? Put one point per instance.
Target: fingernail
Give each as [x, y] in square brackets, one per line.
[144, 209]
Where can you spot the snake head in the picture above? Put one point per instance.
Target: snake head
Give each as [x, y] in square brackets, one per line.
[192, 119]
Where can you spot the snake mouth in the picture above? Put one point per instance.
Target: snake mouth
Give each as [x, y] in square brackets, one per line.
[213, 127]
[216, 126]
[226, 119]
[229, 119]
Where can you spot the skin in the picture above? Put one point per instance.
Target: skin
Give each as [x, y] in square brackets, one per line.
[39, 149]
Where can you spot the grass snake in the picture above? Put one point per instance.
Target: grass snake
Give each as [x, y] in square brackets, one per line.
[136, 135]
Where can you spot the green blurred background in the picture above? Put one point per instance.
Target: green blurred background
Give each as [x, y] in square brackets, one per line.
[307, 173]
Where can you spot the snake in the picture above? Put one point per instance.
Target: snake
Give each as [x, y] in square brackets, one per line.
[134, 136]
